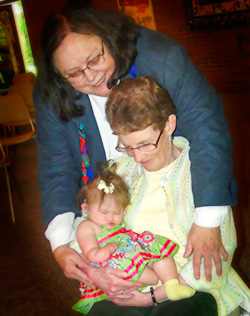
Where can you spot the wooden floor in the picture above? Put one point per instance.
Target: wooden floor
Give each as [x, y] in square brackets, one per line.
[32, 284]
[31, 281]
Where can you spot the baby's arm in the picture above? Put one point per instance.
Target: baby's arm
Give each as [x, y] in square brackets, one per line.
[86, 236]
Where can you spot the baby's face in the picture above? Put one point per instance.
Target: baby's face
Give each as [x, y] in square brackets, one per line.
[107, 214]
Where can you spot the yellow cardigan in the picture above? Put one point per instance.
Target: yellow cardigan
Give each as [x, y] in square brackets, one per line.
[229, 290]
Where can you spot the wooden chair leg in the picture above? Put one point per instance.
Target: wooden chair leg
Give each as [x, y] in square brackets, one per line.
[10, 195]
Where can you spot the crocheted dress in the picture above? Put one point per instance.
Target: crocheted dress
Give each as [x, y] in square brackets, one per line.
[135, 251]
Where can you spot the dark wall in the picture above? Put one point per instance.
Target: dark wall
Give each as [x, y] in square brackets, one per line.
[222, 54]
[36, 13]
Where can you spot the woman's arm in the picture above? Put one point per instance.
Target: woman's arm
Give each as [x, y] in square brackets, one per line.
[59, 174]
[202, 121]
[200, 116]
[59, 179]
[73, 264]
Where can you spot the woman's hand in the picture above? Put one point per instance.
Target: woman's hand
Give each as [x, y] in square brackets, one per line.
[72, 264]
[206, 243]
[139, 299]
[111, 280]
[134, 298]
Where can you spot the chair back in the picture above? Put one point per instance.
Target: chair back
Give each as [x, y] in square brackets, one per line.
[14, 112]
[26, 90]
[24, 77]
[13, 109]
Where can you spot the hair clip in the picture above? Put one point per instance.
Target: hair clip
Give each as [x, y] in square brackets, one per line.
[107, 189]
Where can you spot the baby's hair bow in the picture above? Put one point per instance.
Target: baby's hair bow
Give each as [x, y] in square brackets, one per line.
[107, 189]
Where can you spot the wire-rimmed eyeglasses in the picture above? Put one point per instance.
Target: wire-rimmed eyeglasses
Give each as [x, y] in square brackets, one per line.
[143, 148]
[93, 64]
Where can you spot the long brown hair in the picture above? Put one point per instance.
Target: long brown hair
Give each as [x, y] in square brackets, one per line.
[117, 30]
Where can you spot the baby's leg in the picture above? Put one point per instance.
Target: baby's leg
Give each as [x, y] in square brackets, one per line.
[148, 276]
[166, 271]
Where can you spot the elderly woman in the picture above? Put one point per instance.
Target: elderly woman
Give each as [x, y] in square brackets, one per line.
[157, 170]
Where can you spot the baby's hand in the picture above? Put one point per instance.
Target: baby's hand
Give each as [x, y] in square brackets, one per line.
[111, 247]
[97, 254]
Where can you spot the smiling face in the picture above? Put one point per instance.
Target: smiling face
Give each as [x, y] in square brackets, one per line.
[74, 54]
[107, 214]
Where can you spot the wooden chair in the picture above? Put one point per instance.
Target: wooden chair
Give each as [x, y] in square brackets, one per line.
[16, 127]
[25, 89]
[23, 78]
[15, 120]
[3, 164]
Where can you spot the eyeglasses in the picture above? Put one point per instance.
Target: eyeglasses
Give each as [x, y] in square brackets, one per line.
[93, 64]
[143, 148]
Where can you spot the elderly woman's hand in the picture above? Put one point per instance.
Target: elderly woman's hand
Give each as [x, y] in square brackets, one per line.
[134, 298]
[72, 264]
[139, 299]
[206, 243]
[111, 281]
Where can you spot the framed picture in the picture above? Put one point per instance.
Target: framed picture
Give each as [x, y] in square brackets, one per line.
[140, 10]
[213, 13]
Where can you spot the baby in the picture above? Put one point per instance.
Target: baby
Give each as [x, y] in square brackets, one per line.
[104, 241]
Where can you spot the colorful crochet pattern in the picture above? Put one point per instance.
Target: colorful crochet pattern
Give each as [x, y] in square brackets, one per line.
[87, 173]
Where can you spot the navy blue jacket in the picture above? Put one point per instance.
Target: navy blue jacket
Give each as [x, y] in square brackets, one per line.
[200, 119]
